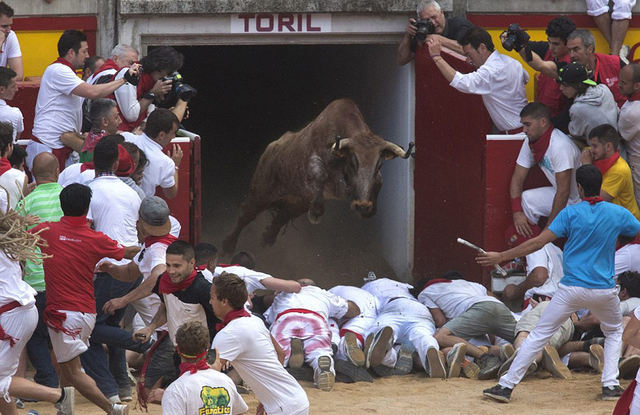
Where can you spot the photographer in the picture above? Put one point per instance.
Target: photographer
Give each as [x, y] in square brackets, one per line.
[136, 102]
[433, 24]
[547, 58]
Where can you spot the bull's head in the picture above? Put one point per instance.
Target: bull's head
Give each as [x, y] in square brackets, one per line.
[361, 158]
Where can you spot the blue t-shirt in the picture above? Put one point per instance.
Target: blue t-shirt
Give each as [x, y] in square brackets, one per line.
[592, 231]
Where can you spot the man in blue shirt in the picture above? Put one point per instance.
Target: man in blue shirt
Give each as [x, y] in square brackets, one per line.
[592, 228]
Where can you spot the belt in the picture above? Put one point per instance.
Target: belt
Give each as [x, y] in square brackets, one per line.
[299, 310]
[514, 131]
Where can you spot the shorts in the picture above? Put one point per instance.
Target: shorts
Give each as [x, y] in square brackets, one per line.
[68, 347]
[528, 323]
[621, 8]
[486, 317]
[162, 364]
[18, 323]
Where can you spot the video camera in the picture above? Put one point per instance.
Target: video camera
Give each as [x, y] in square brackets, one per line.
[517, 38]
[178, 90]
[425, 27]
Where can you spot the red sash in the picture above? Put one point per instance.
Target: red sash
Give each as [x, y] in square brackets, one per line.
[54, 320]
[605, 164]
[623, 407]
[3, 335]
[540, 147]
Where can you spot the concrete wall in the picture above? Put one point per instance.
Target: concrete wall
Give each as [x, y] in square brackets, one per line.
[56, 7]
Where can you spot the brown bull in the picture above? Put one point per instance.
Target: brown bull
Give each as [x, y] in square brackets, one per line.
[336, 156]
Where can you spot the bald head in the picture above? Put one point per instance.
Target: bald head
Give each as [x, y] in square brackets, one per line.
[45, 168]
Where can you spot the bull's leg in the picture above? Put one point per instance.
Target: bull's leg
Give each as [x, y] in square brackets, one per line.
[249, 212]
[316, 209]
[284, 213]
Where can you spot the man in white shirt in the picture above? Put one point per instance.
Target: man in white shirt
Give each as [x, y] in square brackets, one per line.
[10, 53]
[162, 170]
[59, 104]
[499, 79]
[557, 156]
[13, 115]
[244, 341]
[629, 121]
[14, 181]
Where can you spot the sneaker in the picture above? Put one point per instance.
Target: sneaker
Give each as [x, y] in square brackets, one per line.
[382, 342]
[117, 409]
[628, 367]
[596, 357]
[384, 371]
[367, 348]
[404, 363]
[324, 377]
[350, 373]
[504, 368]
[611, 393]
[19, 403]
[469, 369]
[506, 351]
[489, 366]
[455, 357]
[114, 399]
[592, 341]
[296, 358]
[514, 266]
[551, 362]
[125, 394]
[498, 393]
[624, 53]
[66, 407]
[436, 367]
[353, 351]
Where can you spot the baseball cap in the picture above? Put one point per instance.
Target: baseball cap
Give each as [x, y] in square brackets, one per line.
[574, 73]
[154, 215]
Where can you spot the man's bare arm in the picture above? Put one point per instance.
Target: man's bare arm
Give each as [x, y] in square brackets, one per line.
[563, 181]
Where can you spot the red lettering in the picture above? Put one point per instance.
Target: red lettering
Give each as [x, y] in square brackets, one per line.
[299, 22]
[311, 28]
[246, 18]
[286, 20]
[260, 18]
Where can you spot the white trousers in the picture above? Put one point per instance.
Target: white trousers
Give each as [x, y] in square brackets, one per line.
[603, 303]
[621, 8]
[538, 202]
[634, 164]
[18, 323]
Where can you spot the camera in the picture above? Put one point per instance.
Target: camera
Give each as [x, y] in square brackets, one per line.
[516, 38]
[178, 90]
[425, 27]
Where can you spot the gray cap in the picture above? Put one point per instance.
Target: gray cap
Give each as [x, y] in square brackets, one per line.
[154, 213]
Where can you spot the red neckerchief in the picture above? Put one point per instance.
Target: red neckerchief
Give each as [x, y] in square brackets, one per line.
[228, 265]
[5, 165]
[540, 147]
[593, 200]
[623, 407]
[108, 64]
[232, 315]
[635, 97]
[192, 367]
[92, 139]
[168, 287]
[145, 84]
[167, 239]
[201, 268]
[605, 164]
[435, 281]
[65, 63]
[86, 166]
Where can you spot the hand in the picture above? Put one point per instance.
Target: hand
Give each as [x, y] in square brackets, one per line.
[111, 306]
[143, 335]
[105, 266]
[411, 29]
[489, 258]
[503, 36]
[31, 220]
[435, 46]
[533, 302]
[30, 187]
[521, 223]
[177, 154]
[134, 70]
[161, 88]
[156, 395]
[510, 292]
[587, 156]
[260, 409]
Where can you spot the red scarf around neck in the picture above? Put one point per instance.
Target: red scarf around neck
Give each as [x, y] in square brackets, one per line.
[593, 200]
[65, 63]
[108, 64]
[193, 367]
[167, 239]
[168, 287]
[605, 164]
[5, 165]
[232, 315]
[435, 281]
[540, 147]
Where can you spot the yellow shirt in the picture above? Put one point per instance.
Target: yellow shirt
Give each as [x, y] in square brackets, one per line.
[618, 184]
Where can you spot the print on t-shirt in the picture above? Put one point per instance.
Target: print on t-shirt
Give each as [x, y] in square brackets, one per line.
[215, 401]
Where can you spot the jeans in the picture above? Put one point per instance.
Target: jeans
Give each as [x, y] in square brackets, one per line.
[110, 374]
[38, 348]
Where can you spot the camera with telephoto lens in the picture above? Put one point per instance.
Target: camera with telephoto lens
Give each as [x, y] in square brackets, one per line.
[425, 27]
[178, 90]
[516, 38]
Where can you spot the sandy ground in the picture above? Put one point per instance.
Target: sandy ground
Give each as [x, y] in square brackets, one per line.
[417, 394]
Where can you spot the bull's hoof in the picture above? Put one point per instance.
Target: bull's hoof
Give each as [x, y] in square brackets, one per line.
[315, 219]
[228, 246]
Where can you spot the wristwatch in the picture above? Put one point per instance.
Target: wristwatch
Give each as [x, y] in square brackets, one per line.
[150, 96]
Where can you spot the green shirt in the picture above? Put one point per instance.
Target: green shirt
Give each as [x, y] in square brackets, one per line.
[44, 201]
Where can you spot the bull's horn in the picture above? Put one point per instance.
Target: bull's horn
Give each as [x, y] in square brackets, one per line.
[340, 143]
[399, 151]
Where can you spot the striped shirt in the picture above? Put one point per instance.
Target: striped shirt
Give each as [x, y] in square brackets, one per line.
[44, 201]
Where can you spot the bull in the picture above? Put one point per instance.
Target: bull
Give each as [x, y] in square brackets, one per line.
[336, 156]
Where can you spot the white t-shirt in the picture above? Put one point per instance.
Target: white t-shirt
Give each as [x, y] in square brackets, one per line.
[152, 256]
[160, 170]
[309, 298]
[14, 116]
[366, 301]
[385, 289]
[246, 343]
[251, 278]
[57, 109]
[114, 209]
[628, 305]
[629, 126]
[627, 259]
[127, 99]
[10, 49]
[12, 287]
[549, 257]
[13, 182]
[74, 174]
[454, 298]
[201, 393]
[561, 155]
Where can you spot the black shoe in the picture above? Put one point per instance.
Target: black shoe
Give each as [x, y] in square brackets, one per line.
[498, 393]
[489, 366]
[611, 393]
[347, 372]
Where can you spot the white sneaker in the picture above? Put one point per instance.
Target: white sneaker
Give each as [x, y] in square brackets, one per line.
[117, 409]
[624, 52]
[66, 407]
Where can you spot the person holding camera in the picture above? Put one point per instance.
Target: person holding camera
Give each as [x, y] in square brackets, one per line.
[431, 23]
[500, 80]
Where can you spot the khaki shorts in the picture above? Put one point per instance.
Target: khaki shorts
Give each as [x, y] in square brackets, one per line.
[529, 321]
[68, 347]
[486, 317]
